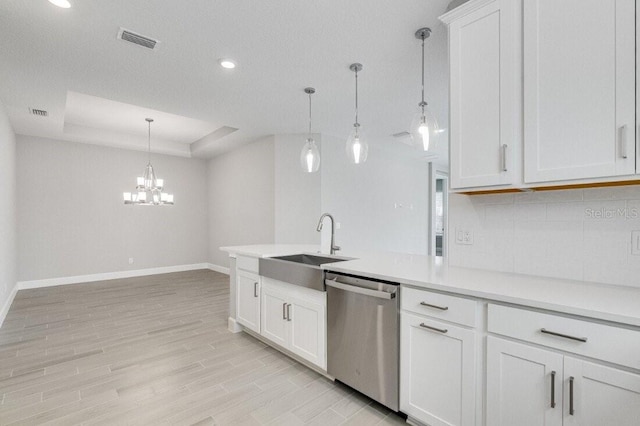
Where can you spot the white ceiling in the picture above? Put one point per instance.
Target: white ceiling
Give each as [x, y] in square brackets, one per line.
[97, 89]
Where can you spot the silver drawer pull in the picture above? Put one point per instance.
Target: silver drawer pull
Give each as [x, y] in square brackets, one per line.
[284, 311]
[572, 411]
[553, 389]
[566, 336]
[428, 305]
[288, 311]
[439, 330]
[623, 141]
[503, 157]
[255, 289]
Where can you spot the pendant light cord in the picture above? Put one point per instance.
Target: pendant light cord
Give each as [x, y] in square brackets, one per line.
[423, 103]
[356, 123]
[149, 141]
[309, 114]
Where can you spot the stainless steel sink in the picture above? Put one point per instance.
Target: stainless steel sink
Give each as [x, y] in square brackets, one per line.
[299, 269]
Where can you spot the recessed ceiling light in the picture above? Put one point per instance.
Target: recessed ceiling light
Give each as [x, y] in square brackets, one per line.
[61, 3]
[224, 63]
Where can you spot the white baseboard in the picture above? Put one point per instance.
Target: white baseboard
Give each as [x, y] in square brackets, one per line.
[5, 309]
[233, 326]
[218, 268]
[49, 282]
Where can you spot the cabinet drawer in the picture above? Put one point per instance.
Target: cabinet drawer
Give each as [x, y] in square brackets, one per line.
[247, 263]
[438, 305]
[604, 342]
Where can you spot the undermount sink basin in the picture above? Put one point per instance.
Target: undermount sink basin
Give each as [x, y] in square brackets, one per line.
[299, 269]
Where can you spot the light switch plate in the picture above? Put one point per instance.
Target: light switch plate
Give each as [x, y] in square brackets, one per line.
[464, 236]
[635, 242]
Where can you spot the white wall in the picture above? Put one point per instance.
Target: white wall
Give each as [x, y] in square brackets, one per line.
[8, 274]
[241, 198]
[72, 220]
[573, 234]
[297, 193]
[380, 204]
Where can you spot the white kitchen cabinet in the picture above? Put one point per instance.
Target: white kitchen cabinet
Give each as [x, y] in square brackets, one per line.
[579, 89]
[307, 319]
[274, 316]
[437, 377]
[524, 385]
[601, 395]
[248, 300]
[295, 318]
[485, 93]
[520, 379]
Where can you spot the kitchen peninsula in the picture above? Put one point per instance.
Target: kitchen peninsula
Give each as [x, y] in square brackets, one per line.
[479, 329]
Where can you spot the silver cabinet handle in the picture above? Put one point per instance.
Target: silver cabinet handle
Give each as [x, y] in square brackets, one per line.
[439, 330]
[622, 135]
[504, 157]
[566, 336]
[442, 308]
[284, 311]
[289, 312]
[255, 289]
[571, 410]
[360, 290]
[553, 389]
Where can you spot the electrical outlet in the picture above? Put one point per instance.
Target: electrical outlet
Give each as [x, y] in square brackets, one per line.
[464, 236]
[131, 261]
[338, 226]
[635, 242]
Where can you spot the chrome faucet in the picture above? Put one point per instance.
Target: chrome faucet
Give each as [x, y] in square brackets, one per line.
[334, 247]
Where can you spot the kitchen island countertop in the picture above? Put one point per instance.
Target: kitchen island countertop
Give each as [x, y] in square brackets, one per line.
[619, 304]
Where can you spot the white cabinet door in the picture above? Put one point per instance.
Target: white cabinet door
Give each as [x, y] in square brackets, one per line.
[437, 372]
[601, 395]
[307, 334]
[275, 326]
[579, 89]
[524, 385]
[485, 105]
[248, 300]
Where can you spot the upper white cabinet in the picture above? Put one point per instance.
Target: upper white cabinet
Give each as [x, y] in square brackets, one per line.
[485, 87]
[579, 89]
[542, 93]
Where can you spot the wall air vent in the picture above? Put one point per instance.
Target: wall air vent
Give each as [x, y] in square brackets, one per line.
[138, 39]
[39, 112]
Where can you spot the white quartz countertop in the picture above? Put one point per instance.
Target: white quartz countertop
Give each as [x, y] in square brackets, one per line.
[270, 250]
[601, 301]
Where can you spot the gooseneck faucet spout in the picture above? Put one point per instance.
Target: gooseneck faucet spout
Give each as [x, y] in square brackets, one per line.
[333, 247]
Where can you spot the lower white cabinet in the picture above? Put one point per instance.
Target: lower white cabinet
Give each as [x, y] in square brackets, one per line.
[529, 386]
[295, 318]
[438, 371]
[524, 385]
[248, 300]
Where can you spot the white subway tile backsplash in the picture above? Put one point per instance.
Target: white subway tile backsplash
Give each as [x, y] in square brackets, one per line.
[573, 234]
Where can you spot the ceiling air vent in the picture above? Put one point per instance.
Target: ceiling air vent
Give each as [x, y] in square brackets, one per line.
[39, 112]
[138, 39]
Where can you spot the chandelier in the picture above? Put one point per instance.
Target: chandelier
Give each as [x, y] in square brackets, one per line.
[148, 190]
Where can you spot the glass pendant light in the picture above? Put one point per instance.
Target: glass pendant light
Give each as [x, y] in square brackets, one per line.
[310, 155]
[424, 128]
[357, 146]
[148, 191]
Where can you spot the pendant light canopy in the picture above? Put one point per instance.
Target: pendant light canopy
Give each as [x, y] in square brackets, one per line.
[310, 155]
[148, 190]
[424, 128]
[357, 146]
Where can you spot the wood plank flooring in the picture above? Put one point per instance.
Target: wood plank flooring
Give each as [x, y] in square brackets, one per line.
[156, 351]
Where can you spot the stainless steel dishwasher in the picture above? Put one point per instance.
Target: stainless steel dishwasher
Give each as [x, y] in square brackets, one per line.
[363, 335]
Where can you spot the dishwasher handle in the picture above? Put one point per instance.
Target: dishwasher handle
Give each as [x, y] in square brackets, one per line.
[360, 290]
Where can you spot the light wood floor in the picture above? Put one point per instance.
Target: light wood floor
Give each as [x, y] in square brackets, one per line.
[155, 350]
